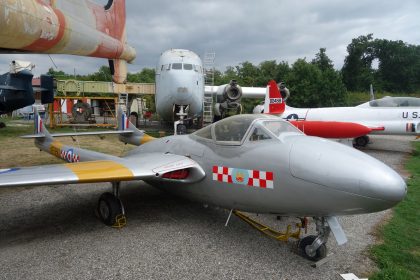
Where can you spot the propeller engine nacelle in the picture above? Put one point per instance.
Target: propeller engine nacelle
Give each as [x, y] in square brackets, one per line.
[230, 92]
[228, 98]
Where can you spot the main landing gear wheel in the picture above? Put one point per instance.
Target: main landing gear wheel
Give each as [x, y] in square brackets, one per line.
[362, 141]
[111, 210]
[313, 255]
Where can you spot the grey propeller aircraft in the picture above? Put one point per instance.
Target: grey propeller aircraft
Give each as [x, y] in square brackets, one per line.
[254, 163]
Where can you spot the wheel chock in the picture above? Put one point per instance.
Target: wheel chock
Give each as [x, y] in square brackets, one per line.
[120, 221]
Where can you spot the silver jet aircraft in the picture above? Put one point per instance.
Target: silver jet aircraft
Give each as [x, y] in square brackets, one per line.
[180, 88]
[254, 163]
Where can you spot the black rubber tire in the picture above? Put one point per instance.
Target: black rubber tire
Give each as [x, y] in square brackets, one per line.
[181, 129]
[320, 253]
[2, 125]
[362, 141]
[109, 207]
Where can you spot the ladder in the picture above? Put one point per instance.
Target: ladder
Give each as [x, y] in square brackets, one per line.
[208, 68]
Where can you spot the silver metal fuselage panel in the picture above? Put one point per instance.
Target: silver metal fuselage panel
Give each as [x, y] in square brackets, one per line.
[312, 176]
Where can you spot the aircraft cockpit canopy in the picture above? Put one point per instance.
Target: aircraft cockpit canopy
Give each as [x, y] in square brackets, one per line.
[388, 101]
[181, 66]
[234, 130]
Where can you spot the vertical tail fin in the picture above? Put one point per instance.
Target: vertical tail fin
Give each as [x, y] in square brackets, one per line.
[123, 120]
[274, 102]
[40, 131]
[134, 135]
[38, 123]
[47, 89]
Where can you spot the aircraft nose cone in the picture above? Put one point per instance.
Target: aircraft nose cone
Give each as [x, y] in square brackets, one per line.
[345, 169]
[383, 183]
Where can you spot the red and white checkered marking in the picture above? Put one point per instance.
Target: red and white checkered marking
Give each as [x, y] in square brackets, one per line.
[253, 178]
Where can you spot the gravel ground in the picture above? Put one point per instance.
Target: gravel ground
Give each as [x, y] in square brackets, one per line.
[52, 233]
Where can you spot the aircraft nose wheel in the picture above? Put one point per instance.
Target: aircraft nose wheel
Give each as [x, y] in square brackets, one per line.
[306, 251]
[111, 211]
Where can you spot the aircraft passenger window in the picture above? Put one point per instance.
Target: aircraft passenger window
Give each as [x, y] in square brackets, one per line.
[176, 66]
[188, 66]
[258, 135]
[205, 132]
[168, 67]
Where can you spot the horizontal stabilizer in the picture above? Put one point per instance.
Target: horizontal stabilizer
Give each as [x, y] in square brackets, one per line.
[69, 134]
[11, 88]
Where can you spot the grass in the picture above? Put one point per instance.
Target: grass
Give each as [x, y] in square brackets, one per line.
[15, 151]
[398, 257]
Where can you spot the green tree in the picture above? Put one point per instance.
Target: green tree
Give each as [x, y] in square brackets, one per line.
[399, 66]
[357, 69]
[146, 75]
[230, 74]
[322, 60]
[59, 74]
[103, 74]
[267, 71]
[247, 74]
[283, 69]
[303, 81]
[315, 84]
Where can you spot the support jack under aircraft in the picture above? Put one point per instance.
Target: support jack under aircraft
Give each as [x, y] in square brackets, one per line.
[254, 163]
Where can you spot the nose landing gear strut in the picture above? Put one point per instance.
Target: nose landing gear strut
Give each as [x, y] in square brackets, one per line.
[313, 247]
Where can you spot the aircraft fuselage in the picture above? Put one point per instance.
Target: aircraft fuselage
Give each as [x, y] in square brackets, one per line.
[179, 82]
[300, 175]
[396, 121]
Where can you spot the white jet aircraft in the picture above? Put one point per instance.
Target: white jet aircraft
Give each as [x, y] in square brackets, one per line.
[381, 119]
[180, 88]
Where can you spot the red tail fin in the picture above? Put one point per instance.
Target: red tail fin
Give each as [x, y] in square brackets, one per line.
[274, 103]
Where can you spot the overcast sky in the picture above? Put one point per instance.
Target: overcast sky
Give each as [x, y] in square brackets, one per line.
[248, 30]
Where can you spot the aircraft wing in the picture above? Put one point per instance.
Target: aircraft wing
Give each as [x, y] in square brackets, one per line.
[253, 92]
[11, 88]
[247, 92]
[148, 166]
